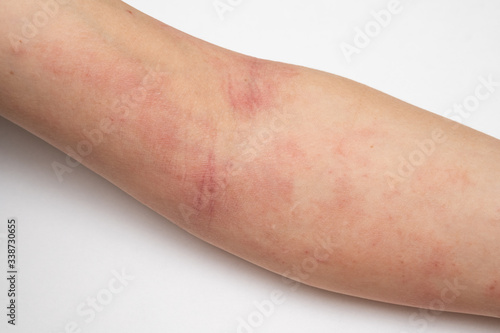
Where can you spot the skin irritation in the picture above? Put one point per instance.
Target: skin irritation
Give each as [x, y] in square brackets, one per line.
[207, 188]
[308, 180]
[72, 70]
[250, 94]
[254, 93]
[196, 174]
[215, 194]
[345, 215]
[252, 85]
[273, 189]
[492, 289]
[250, 91]
[89, 68]
[134, 98]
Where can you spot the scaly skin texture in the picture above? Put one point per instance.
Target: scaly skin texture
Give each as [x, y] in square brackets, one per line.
[284, 166]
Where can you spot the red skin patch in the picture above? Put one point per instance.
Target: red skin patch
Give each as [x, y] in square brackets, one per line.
[88, 68]
[160, 135]
[251, 86]
[190, 171]
[290, 148]
[269, 190]
[437, 262]
[250, 93]
[493, 290]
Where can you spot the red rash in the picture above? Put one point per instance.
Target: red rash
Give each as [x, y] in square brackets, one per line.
[493, 290]
[257, 88]
[248, 96]
[290, 148]
[247, 92]
[270, 190]
[85, 67]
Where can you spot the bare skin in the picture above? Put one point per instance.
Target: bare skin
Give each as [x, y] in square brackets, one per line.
[292, 169]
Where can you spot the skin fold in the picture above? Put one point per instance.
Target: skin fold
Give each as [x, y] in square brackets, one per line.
[296, 170]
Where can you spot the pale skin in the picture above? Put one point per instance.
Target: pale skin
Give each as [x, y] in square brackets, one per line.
[290, 168]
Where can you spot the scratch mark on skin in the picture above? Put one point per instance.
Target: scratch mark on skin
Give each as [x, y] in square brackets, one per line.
[207, 177]
[253, 85]
[207, 188]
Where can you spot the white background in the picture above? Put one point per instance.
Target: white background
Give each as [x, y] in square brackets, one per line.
[74, 234]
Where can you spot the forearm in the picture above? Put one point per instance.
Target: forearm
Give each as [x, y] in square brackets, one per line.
[292, 169]
[101, 66]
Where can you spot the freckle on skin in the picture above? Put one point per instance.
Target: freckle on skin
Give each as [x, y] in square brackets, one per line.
[18, 50]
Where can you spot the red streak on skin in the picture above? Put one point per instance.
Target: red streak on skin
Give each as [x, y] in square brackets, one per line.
[249, 95]
[207, 187]
[190, 170]
[252, 85]
[249, 86]
[130, 12]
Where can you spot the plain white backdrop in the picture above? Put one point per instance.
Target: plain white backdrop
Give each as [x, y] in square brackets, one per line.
[92, 259]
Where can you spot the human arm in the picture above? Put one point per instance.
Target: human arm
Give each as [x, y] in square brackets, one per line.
[297, 139]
